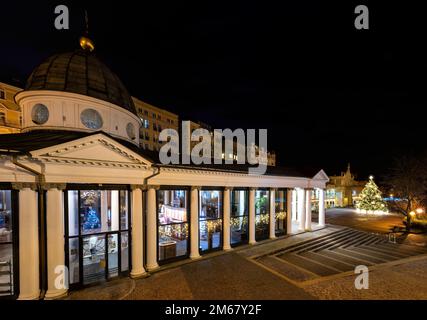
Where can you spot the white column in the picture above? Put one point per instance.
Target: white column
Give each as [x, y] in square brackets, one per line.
[289, 205]
[226, 232]
[301, 209]
[137, 235]
[28, 245]
[321, 207]
[56, 287]
[294, 214]
[194, 225]
[308, 209]
[252, 216]
[115, 210]
[272, 214]
[151, 229]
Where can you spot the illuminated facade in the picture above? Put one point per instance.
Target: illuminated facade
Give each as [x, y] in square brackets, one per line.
[79, 194]
[343, 190]
[10, 113]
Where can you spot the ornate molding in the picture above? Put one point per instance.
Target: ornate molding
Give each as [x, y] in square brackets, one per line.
[24, 185]
[138, 186]
[198, 188]
[153, 186]
[49, 186]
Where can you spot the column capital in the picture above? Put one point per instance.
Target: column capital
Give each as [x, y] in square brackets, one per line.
[152, 186]
[24, 185]
[59, 186]
[252, 189]
[228, 189]
[137, 186]
[196, 188]
[273, 189]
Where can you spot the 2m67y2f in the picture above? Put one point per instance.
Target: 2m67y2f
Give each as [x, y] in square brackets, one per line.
[235, 309]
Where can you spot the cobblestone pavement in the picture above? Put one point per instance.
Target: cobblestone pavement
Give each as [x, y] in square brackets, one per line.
[237, 275]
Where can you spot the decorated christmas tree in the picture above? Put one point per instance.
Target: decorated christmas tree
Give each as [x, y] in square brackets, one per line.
[370, 198]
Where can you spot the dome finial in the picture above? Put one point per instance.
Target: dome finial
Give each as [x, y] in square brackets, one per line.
[85, 42]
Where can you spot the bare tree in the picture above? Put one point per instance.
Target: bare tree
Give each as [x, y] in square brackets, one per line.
[408, 181]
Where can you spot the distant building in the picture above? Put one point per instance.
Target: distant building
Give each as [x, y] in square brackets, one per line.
[10, 113]
[343, 190]
[154, 120]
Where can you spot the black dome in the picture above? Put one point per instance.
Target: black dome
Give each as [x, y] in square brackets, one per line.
[80, 72]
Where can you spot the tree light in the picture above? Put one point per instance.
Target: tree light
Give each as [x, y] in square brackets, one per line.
[412, 213]
[419, 210]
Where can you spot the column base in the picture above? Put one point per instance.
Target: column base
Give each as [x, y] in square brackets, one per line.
[227, 248]
[308, 229]
[152, 267]
[135, 274]
[34, 296]
[195, 256]
[252, 242]
[273, 237]
[55, 294]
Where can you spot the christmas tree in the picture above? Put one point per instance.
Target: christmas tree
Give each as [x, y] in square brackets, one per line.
[370, 198]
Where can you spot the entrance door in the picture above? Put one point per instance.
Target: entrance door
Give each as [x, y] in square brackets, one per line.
[94, 260]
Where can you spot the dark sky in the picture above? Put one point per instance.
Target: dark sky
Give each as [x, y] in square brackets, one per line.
[328, 93]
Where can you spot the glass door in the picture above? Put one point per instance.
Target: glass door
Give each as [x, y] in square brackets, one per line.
[113, 256]
[94, 262]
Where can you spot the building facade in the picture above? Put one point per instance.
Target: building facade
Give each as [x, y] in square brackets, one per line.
[154, 120]
[10, 113]
[81, 202]
[343, 190]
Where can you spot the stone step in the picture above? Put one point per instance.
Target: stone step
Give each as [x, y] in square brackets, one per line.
[339, 256]
[350, 241]
[329, 242]
[311, 241]
[288, 270]
[308, 264]
[358, 255]
[339, 266]
[406, 248]
[393, 253]
[375, 254]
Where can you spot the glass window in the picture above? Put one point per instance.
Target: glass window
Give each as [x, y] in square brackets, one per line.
[173, 224]
[98, 222]
[2, 95]
[6, 244]
[280, 203]
[99, 211]
[91, 119]
[262, 216]
[239, 217]
[210, 218]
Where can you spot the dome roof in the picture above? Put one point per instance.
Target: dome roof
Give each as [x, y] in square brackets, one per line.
[80, 72]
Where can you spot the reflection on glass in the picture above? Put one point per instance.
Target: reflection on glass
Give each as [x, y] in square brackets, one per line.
[6, 244]
[173, 224]
[73, 256]
[210, 217]
[239, 217]
[99, 211]
[113, 255]
[124, 203]
[280, 203]
[262, 217]
[103, 216]
[93, 259]
[125, 251]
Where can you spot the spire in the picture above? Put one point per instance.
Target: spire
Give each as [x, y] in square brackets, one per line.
[85, 42]
[348, 167]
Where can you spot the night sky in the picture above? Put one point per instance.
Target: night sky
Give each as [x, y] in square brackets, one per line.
[328, 94]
